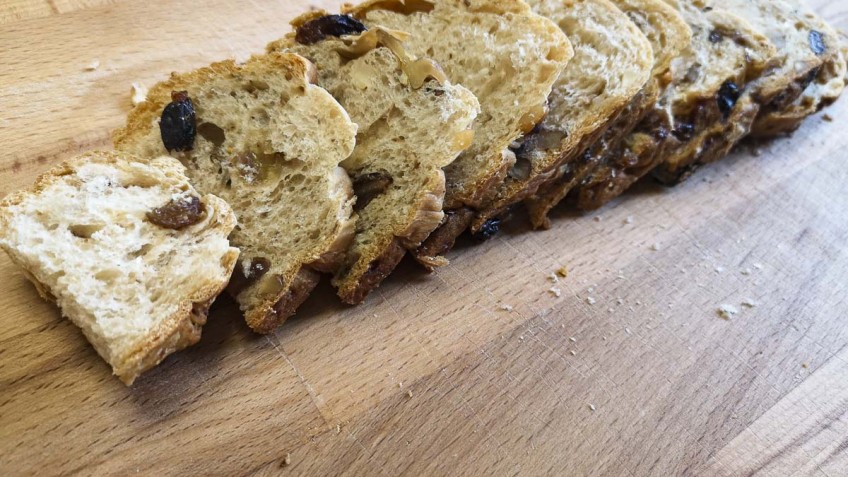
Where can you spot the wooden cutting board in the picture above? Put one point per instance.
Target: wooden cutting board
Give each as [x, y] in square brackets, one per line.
[478, 369]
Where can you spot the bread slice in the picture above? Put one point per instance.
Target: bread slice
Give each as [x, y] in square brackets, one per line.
[130, 252]
[709, 111]
[412, 122]
[612, 73]
[507, 56]
[619, 164]
[269, 142]
[611, 64]
[812, 71]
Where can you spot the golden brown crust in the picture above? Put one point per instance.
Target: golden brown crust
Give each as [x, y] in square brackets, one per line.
[431, 252]
[378, 270]
[266, 320]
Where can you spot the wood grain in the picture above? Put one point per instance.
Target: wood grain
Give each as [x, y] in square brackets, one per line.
[629, 372]
[14, 10]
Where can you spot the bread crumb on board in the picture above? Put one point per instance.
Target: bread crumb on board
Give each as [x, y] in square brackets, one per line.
[93, 65]
[139, 94]
[505, 307]
[748, 303]
[562, 272]
[555, 292]
[656, 247]
[827, 117]
[409, 393]
[286, 460]
[592, 407]
[590, 300]
[727, 311]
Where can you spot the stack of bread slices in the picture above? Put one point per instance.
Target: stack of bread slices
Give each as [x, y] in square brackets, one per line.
[393, 127]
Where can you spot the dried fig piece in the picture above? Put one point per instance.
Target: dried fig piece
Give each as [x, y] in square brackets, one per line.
[178, 125]
[178, 213]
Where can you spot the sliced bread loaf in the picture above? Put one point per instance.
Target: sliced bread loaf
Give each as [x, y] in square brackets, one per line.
[130, 252]
[706, 98]
[611, 64]
[507, 56]
[270, 143]
[619, 162]
[411, 122]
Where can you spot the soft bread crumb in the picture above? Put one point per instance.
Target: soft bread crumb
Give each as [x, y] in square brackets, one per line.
[506, 307]
[590, 300]
[93, 65]
[555, 292]
[727, 311]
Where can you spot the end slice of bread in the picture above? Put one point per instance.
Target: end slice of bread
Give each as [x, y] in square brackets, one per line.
[412, 122]
[611, 65]
[130, 252]
[507, 56]
[269, 142]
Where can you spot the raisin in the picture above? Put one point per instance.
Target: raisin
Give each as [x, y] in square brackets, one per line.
[257, 269]
[178, 124]
[728, 94]
[488, 230]
[368, 186]
[178, 213]
[817, 43]
[715, 37]
[316, 30]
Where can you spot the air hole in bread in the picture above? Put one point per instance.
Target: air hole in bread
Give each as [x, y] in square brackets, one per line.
[145, 182]
[142, 251]
[212, 133]
[107, 275]
[85, 231]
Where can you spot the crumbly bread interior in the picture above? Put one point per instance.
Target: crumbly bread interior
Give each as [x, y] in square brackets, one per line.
[270, 143]
[138, 290]
[506, 55]
[611, 64]
[407, 133]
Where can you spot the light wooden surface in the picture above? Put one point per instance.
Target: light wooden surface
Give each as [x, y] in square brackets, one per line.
[431, 376]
